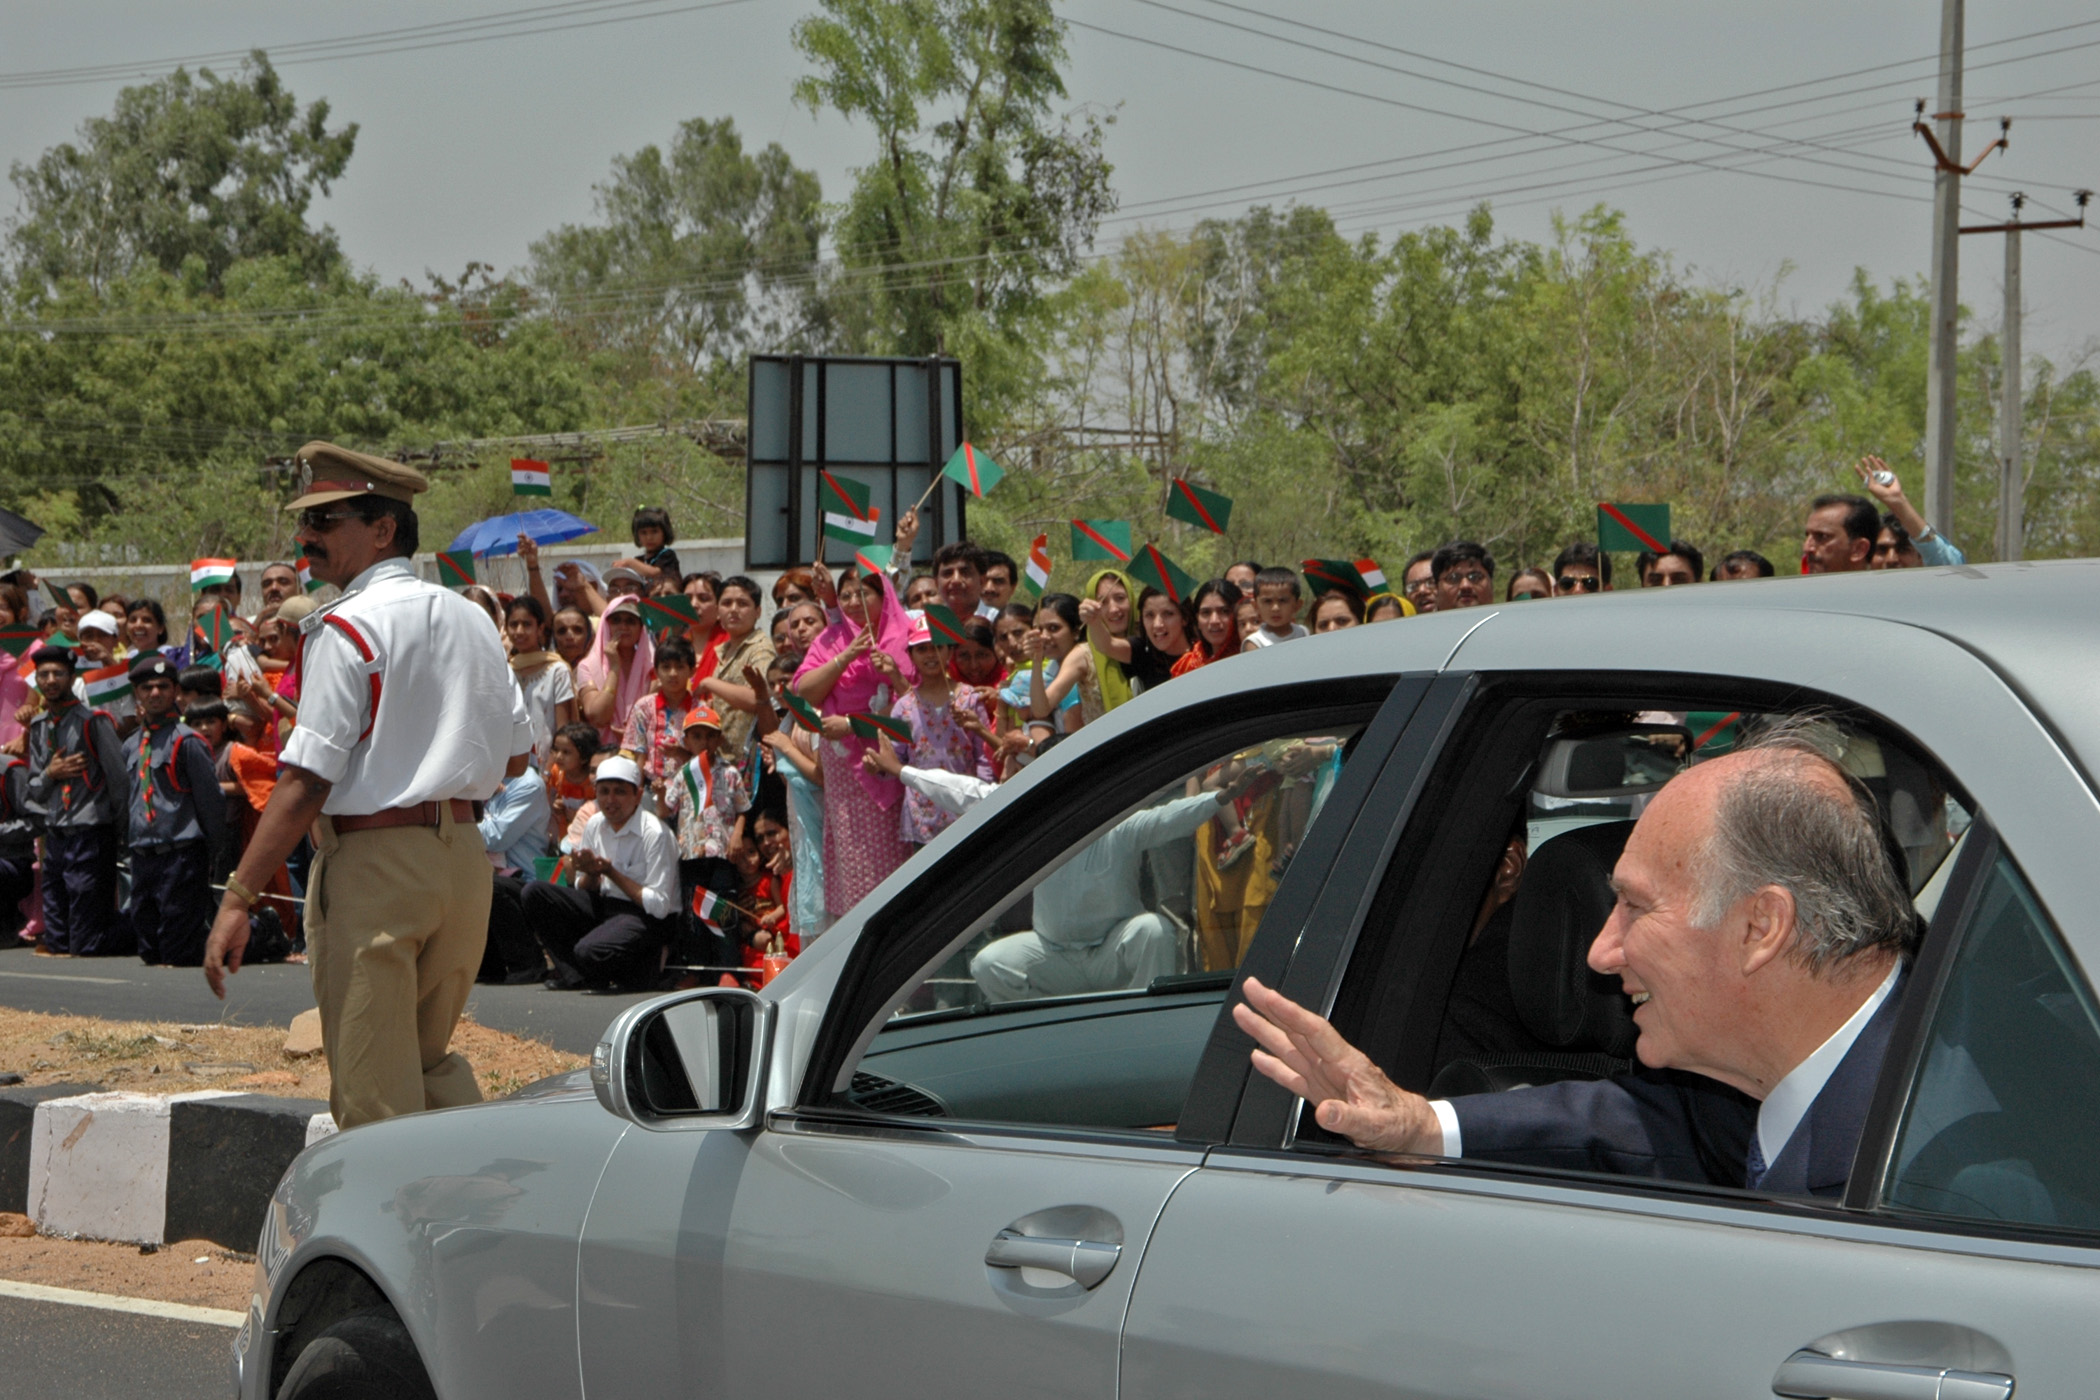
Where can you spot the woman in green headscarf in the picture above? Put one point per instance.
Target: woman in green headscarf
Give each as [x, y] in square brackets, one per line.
[1105, 614]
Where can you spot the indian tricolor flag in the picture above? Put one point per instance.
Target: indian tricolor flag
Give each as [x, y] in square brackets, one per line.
[1371, 574]
[307, 581]
[530, 478]
[204, 573]
[108, 685]
[1039, 565]
[849, 515]
[705, 903]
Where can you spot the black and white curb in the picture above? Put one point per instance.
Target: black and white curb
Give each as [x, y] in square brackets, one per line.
[146, 1169]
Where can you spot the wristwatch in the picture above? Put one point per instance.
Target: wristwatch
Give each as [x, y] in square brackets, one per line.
[1925, 536]
[241, 892]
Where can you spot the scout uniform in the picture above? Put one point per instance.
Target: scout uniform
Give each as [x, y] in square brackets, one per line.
[18, 829]
[407, 709]
[83, 820]
[177, 815]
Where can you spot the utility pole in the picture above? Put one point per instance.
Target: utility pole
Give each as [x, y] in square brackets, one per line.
[2012, 465]
[1946, 276]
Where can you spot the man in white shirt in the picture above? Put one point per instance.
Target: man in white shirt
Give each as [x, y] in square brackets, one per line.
[407, 720]
[614, 926]
[1761, 930]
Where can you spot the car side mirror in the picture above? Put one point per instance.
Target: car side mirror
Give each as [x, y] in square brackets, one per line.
[694, 1059]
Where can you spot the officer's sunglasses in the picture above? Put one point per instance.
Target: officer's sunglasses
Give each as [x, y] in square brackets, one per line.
[319, 521]
[1576, 583]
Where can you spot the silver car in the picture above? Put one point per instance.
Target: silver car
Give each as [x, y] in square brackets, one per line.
[993, 1135]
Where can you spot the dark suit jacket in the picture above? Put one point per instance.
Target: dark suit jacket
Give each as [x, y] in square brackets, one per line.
[1677, 1126]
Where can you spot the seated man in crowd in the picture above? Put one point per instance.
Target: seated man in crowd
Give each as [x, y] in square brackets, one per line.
[1761, 931]
[514, 829]
[614, 926]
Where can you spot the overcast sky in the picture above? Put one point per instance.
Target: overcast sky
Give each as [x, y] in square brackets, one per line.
[471, 150]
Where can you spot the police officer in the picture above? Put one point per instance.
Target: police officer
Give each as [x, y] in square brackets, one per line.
[177, 815]
[407, 720]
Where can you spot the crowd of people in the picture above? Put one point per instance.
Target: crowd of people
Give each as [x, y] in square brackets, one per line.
[703, 794]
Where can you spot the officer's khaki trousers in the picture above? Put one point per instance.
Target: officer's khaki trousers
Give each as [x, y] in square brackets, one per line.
[395, 923]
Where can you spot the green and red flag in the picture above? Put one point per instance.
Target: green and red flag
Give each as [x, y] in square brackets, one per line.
[1037, 575]
[1153, 569]
[1624, 527]
[1189, 502]
[973, 471]
[213, 631]
[874, 558]
[805, 713]
[668, 612]
[1101, 539]
[944, 624]
[17, 640]
[848, 516]
[456, 568]
[1333, 575]
[530, 478]
[872, 726]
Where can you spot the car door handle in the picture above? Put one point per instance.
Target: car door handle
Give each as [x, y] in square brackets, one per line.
[1810, 1375]
[1085, 1262]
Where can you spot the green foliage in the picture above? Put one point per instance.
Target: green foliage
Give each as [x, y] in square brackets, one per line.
[704, 254]
[208, 169]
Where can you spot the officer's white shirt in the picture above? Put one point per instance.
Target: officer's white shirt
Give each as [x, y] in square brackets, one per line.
[644, 851]
[450, 713]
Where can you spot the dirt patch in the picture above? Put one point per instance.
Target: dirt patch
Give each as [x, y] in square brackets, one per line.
[197, 1272]
[166, 1057]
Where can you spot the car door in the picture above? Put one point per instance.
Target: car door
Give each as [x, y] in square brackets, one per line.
[957, 1200]
[1962, 1261]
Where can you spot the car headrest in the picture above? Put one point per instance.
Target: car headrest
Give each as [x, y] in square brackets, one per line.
[1560, 908]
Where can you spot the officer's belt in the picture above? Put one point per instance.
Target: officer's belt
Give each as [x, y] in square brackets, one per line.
[420, 814]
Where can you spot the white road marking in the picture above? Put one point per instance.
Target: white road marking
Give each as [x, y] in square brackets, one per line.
[68, 977]
[111, 1302]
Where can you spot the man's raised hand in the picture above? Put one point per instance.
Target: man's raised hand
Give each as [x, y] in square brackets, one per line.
[1349, 1095]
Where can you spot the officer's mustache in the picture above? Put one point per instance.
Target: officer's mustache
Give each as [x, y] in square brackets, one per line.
[315, 553]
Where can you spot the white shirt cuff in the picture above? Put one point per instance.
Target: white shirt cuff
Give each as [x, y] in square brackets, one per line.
[1447, 1119]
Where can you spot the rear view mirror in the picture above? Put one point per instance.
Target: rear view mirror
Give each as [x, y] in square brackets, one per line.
[697, 1057]
[1613, 766]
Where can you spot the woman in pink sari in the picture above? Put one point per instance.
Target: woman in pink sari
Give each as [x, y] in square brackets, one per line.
[861, 841]
[616, 671]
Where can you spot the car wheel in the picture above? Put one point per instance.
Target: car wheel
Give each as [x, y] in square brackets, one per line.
[359, 1358]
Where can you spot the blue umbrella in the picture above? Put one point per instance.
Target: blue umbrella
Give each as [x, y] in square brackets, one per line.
[499, 533]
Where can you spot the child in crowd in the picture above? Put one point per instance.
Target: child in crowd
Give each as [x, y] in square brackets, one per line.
[1246, 617]
[656, 723]
[704, 798]
[1276, 600]
[976, 661]
[177, 818]
[198, 684]
[1047, 693]
[569, 774]
[654, 557]
[248, 776]
[933, 708]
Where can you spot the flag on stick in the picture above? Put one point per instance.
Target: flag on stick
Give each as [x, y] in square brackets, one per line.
[977, 473]
[1625, 527]
[204, 573]
[668, 612]
[1199, 507]
[1101, 539]
[873, 726]
[305, 567]
[705, 903]
[456, 568]
[108, 685]
[945, 626]
[530, 478]
[847, 514]
[874, 558]
[805, 713]
[17, 640]
[1038, 571]
[213, 632]
[1332, 575]
[1154, 569]
[1373, 577]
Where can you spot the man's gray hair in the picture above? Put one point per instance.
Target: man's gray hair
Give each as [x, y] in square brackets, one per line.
[1774, 825]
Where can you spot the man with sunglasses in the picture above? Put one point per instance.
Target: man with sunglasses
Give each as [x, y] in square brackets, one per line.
[408, 717]
[1581, 568]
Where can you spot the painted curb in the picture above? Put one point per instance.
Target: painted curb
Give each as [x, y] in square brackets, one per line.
[144, 1169]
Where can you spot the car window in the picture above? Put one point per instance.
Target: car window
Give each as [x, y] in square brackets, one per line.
[2005, 1110]
[1085, 995]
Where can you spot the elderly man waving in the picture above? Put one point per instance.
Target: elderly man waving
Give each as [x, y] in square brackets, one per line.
[1761, 931]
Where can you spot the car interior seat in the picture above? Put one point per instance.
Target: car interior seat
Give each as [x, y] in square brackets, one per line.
[1558, 911]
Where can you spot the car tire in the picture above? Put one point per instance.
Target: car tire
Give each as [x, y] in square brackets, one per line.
[359, 1358]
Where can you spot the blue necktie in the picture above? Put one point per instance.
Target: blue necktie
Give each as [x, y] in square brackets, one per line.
[1754, 1167]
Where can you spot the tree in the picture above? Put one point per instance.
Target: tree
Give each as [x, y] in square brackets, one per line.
[703, 255]
[980, 199]
[186, 168]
